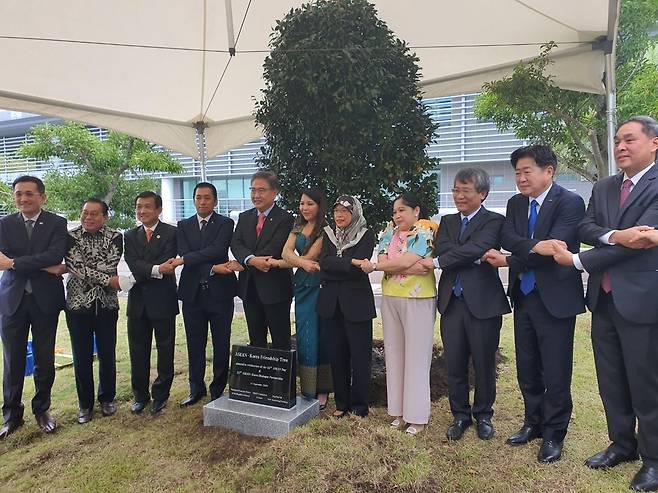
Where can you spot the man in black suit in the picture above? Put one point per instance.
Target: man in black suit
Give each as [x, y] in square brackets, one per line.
[471, 300]
[152, 302]
[546, 296]
[32, 246]
[621, 294]
[265, 290]
[203, 240]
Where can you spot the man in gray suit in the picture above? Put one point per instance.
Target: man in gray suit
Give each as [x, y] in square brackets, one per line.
[621, 294]
[32, 245]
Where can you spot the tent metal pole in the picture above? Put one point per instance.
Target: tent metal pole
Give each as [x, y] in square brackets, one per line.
[201, 145]
[611, 110]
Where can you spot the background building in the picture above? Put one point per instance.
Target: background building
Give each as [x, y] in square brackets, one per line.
[463, 141]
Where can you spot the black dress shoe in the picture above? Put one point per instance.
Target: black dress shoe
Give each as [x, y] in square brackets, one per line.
[608, 458]
[646, 479]
[485, 429]
[550, 451]
[158, 406]
[192, 399]
[9, 427]
[138, 407]
[108, 408]
[84, 416]
[457, 428]
[46, 422]
[526, 434]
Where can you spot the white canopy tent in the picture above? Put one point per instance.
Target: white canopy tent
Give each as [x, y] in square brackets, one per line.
[185, 74]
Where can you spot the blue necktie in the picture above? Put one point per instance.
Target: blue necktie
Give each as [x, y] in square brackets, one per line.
[457, 287]
[528, 277]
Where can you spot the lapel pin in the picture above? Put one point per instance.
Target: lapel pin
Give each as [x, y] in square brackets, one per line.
[158, 237]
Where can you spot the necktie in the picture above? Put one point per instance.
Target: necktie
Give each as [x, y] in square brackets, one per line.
[204, 223]
[528, 277]
[260, 224]
[29, 227]
[149, 234]
[623, 196]
[457, 289]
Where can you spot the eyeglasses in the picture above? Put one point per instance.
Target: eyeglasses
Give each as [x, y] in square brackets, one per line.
[463, 191]
[27, 195]
[259, 191]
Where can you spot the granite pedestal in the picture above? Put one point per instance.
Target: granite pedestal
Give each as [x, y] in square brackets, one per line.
[257, 419]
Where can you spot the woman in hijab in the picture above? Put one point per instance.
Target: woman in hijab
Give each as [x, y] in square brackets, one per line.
[347, 304]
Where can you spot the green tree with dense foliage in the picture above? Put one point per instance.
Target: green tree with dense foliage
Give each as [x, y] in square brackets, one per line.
[574, 123]
[6, 198]
[342, 110]
[111, 169]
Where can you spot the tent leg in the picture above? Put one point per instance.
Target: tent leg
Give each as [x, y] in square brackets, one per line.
[201, 144]
[611, 110]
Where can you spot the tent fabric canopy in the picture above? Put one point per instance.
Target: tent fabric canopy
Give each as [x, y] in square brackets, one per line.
[154, 69]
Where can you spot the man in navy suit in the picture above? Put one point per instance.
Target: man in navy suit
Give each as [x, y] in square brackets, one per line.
[265, 290]
[471, 300]
[621, 294]
[546, 296]
[204, 240]
[152, 302]
[32, 246]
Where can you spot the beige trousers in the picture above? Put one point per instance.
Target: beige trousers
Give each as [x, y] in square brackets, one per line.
[408, 325]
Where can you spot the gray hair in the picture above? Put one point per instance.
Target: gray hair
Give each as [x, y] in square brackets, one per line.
[477, 176]
[267, 175]
[649, 125]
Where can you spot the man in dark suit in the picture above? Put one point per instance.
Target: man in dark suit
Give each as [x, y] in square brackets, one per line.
[152, 302]
[32, 246]
[203, 240]
[471, 300]
[265, 290]
[621, 294]
[546, 296]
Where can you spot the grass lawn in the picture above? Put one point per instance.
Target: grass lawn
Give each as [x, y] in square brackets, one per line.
[175, 452]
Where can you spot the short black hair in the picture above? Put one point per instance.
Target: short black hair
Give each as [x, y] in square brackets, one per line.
[41, 188]
[267, 175]
[477, 176]
[205, 184]
[94, 200]
[150, 195]
[543, 155]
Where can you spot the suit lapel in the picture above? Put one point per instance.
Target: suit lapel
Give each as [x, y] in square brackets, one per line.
[140, 237]
[454, 224]
[638, 190]
[472, 224]
[521, 217]
[268, 226]
[612, 198]
[250, 228]
[546, 211]
[21, 231]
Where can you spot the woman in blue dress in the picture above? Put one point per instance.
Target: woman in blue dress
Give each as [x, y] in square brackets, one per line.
[302, 251]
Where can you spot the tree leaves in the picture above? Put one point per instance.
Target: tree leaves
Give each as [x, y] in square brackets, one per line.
[107, 169]
[342, 110]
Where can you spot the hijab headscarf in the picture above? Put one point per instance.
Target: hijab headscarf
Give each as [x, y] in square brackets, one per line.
[354, 231]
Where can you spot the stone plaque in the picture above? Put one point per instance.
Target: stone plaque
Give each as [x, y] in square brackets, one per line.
[263, 376]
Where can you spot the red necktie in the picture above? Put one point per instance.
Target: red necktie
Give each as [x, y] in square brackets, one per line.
[623, 196]
[149, 234]
[261, 222]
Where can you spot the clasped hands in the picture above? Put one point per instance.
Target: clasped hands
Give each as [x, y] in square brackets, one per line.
[422, 266]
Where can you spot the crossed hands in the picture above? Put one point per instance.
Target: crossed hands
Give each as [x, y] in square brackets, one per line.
[637, 237]
[227, 267]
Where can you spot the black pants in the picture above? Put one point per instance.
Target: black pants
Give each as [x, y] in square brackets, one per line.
[140, 338]
[626, 357]
[83, 327]
[260, 316]
[350, 352]
[464, 337]
[544, 363]
[198, 315]
[14, 331]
